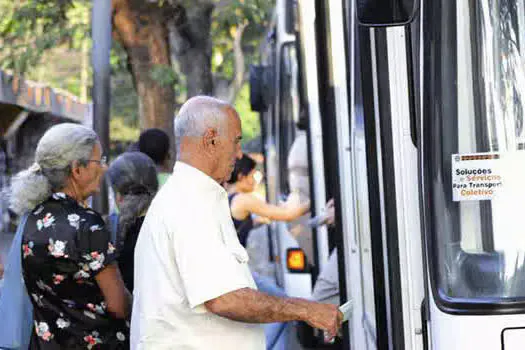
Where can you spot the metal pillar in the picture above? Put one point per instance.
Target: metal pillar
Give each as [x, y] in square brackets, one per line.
[101, 35]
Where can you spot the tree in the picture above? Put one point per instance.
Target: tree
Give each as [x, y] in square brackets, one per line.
[140, 27]
[167, 44]
[237, 29]
[191, 45]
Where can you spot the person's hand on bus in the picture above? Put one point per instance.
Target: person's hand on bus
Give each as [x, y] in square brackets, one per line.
[326, 317]
[261, 220]
[329, 213]
[293, 200]
[245, 204]
[296, 230]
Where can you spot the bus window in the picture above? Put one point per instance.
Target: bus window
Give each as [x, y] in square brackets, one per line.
[475, 105]
[288, 109]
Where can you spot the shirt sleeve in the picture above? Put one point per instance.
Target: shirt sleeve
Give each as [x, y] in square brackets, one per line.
[95, 248]
[327, 284]
[207, 267]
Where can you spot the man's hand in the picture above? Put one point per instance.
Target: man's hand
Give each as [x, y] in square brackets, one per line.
[326, 317]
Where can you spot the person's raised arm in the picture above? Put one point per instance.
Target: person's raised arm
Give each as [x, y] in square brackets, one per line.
[251, 306]
[252, 204]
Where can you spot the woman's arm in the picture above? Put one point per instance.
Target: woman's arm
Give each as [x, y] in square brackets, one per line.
[251, 204]
[117, 297]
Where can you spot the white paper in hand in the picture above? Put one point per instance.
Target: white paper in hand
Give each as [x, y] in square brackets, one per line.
[346, 310]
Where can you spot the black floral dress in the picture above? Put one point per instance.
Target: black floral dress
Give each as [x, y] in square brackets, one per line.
[64, 246]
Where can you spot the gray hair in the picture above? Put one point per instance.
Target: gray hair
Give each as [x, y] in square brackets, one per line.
[134, 176]
[197, 115]
[60, 146]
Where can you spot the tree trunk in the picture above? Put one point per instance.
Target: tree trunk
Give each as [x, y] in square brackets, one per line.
[140, 27]
[190, 41]
[239, 78]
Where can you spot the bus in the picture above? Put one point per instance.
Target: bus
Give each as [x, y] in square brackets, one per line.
[414, 113]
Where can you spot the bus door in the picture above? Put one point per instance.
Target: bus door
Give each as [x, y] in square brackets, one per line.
[381, 265]
[292, 255]
[472, 162]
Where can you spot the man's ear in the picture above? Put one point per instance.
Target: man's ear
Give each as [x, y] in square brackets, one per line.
[210, 138]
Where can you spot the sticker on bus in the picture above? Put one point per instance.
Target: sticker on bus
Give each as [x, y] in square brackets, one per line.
[478, 176]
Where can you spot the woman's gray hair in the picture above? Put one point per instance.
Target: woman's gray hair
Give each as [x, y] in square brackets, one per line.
[197, 115]
[58, 148]
[134, 176]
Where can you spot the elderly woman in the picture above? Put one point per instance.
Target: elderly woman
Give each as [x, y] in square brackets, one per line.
[134, 179]
[68, 261]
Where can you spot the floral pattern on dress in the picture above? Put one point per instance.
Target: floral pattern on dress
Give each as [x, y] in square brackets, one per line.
[38, 210]
[27, 249]
[121, 336]
[99, 309]
[64, 246]
[69, 303]
[74, 220]
[57, 278]
[59, 196]
[44, 287]
[90, 314]
[80, 275]
[95, 228]
[47, 221]
[92, 339]
[62, 323]
[111, 248]
[95, 260]
[42, 330]
[38, 299]
[57, 248]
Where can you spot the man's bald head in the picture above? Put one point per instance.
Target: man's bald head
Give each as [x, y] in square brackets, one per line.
[200, 113]
[207, 133]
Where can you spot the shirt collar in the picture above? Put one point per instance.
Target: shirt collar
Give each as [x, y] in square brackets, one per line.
[61, 196]
[197, 177]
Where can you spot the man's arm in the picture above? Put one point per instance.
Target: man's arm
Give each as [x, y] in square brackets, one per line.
[251, 306]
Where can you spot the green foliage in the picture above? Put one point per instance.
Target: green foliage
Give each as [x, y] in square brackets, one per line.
[124, 99]
[28, 28]
[121, 131]
[45, 40]
[255, 14]
[163, 74]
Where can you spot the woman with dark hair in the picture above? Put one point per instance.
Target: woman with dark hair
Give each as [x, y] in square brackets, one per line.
[155, 143]
[134, 178]
[243, 203]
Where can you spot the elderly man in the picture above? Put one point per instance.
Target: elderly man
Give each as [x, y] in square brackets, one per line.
[193, 288]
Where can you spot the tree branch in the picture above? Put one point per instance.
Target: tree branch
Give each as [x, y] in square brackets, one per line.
[239, 77]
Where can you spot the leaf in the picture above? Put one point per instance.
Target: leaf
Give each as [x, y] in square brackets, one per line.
[162, 74]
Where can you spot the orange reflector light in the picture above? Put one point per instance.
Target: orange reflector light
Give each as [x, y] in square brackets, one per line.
[295, 260]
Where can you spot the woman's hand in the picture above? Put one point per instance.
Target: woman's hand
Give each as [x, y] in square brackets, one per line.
[261, 220]
[329, 213]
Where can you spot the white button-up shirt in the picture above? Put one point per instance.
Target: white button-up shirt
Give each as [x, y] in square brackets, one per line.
[188, 253]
